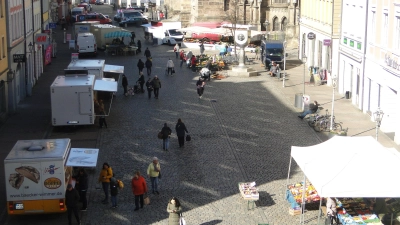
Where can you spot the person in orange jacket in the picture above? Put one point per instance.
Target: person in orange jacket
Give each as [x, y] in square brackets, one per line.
[105, 176]
[139, 187]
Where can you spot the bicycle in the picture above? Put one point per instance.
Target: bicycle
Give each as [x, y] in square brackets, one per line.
[312, 119]
[325, 125]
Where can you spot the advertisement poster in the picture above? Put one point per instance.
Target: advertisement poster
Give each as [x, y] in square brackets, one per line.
[47, 57]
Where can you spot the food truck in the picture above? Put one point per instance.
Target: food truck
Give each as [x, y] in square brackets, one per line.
[37, 173]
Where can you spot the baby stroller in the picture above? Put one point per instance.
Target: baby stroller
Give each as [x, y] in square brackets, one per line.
[205, 74]
[130, 92]
[137, 89]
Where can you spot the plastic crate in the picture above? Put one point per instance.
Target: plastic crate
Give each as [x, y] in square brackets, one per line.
[294, 211]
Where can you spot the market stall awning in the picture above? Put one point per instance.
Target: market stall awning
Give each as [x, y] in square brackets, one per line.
[350, 167]
[117, 34]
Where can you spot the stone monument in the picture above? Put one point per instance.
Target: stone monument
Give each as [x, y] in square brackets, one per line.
[241, 39]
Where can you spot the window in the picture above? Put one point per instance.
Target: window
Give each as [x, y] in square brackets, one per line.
[385, 29]
[372, 26]
[3, 47]
[1, 8]
[226, 5]
[276, 25]
[396, 40]
[280, 1]
[284, 23]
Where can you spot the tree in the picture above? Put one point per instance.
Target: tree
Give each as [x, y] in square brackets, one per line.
[232, 15]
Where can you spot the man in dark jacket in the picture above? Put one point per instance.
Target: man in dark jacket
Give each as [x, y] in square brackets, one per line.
[149, 85]
[141, 81]
[114, 191]
[180, 129]
[82, 186]
[139, 46]
[125, 84]
[140, 65]
[166, 131]
[71, 201]
[148, 64]
[312, 109]
[156, 86]
[147, 53]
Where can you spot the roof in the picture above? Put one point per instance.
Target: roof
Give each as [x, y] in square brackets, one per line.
[47, 148]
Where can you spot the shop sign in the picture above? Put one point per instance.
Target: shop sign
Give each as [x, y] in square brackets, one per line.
[327, 42]
[311, 36]
[41, 39]
[351, 43]
[47, 56]
[52, 25]
[392, 62]
[358, 45]
[18, 58]
[345, 41]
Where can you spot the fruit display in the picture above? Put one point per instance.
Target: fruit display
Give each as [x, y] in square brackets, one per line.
[353, 211]
[311, 194]
[249, 190]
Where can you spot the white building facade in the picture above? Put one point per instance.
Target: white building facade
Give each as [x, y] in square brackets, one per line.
[352, 49]
[382, 64]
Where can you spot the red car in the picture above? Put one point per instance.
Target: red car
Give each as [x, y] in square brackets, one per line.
[92, 1]
[94, 17]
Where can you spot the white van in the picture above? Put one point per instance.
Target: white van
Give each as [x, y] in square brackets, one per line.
[76, 11]
[86, 44]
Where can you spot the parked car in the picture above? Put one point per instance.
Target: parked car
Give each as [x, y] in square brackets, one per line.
[132, 17]
[76, 11]
[87, 6]
[99, 2]
[117, 17]
[93, 17]
[92, 1]
[141, 9]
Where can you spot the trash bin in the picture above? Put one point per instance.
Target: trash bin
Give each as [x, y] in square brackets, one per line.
[298, 100]
[348, 94]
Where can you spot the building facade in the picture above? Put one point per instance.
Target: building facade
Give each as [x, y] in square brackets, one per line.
[3, 62]
[352, 50]
[382, 64]
[321, 19]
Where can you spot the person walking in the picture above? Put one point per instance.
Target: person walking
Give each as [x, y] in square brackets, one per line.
[176, 50]
[174, 209]
[148, 64]
[147, 53]
[139, 46]
[182, 57]
[193, 63]
[200, 87]
[331, 210]
[125, 84]
[201, 48]
[141, 81]
[189, 58]
[71, 201]
[140, 65]
[133, 36]
[257, 51]
[156, 86]
[139, 188]
[180, 129]
[114, 191]
[166, 132]
[153, 171]
[170, 67]
[150, 87]
[104, 177]
[82, 186]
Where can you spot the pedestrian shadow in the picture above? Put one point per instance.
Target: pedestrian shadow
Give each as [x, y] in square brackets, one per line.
[265, 199]
[213, 222]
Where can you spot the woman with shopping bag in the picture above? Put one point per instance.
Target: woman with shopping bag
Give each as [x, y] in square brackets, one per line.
[174, 209]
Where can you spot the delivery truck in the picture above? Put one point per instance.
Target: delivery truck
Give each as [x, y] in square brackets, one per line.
[165, 32]
[99, 30]
[37, 173]
[73, 98]
[94, 67]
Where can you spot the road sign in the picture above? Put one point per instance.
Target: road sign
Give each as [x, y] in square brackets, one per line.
[52, 25]
[19, 58]
[311, 36]
[327, 42]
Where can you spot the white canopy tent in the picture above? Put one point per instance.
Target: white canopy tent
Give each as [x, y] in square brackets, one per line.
[349, 167]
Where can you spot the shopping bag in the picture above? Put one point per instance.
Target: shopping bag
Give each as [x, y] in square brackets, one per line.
[188, 138]
[146, 200]
[160, 135]
[173, 70]
[166, 72]
[182, 220]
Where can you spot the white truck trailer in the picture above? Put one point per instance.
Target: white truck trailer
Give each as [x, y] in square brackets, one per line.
[37, 173]
[165, 32]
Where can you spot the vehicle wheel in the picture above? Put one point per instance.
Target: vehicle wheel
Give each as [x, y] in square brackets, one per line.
[337, 127]
[169, 43]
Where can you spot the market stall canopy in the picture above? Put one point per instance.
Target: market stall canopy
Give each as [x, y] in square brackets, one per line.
[117, 34]
[350, 167]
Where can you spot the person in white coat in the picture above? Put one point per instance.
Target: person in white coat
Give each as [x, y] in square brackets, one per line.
[170, 67]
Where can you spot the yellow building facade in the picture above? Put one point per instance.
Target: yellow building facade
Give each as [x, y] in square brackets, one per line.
[3, 60]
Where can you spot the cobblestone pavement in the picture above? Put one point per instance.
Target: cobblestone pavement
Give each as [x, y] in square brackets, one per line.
[242, 130]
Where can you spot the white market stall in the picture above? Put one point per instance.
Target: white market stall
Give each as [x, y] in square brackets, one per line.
[342, 167]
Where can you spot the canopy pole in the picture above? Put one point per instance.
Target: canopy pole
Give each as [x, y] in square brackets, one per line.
[303, 203]
[288, 176]
[319, 211]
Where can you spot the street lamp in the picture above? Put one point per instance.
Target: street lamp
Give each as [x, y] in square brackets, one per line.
[378, 116]
[65, 36]
[304, 59]
[284, 63]
[30, 47]
[333, 98]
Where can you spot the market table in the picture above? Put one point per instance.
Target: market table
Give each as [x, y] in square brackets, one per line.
[249, 192]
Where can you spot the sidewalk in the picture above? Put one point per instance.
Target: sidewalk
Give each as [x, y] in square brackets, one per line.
[358, 123]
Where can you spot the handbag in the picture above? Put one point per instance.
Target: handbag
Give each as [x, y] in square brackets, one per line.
[173, 70]
[160, 135]
[159, 175]
[146, 200]
[188, 138]
[182, 220]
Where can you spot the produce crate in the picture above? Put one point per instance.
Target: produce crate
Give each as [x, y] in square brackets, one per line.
[294, 211]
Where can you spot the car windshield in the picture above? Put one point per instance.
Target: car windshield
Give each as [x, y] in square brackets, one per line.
[175, 32]
[274, 51]
[132, 14]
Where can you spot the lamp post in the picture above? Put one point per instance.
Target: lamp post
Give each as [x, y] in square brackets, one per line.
[284, 63]
[304, 59]
[378, 116]
[65, 36]
[333, 99]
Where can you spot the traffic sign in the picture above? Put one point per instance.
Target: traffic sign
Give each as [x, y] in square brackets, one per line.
[311, 36]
